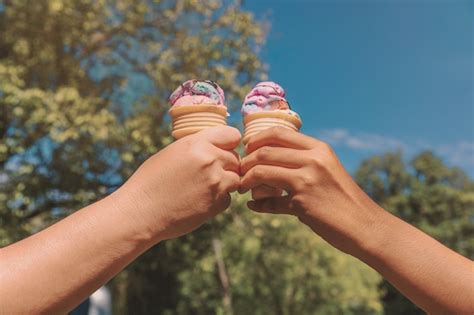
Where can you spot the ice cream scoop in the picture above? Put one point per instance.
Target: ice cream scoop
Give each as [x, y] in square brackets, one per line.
[264, 97]
[197, 92]
[196, 105]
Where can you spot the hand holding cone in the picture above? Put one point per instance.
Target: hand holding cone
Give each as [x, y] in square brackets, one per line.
[199, 104]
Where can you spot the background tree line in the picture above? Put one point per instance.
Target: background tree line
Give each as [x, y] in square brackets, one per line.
[83, 90]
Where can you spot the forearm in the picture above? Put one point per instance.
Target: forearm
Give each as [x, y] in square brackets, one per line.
[325, 197]
[54, 270]
[57, 268]
[434, 277]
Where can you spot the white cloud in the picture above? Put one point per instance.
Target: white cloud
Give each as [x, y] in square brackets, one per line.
[460, 153]
[360, 141]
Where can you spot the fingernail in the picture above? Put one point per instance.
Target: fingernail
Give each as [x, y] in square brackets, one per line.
[242, 191]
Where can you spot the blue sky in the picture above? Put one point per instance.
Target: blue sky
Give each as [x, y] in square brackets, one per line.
[372, 76]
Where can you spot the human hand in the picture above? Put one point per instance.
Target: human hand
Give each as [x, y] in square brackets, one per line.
[185, 184]
[320, 191]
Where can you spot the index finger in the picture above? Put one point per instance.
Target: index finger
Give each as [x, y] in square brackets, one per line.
[278, 136]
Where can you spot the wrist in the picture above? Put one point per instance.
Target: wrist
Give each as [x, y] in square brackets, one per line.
[133, 214]
[372, 238]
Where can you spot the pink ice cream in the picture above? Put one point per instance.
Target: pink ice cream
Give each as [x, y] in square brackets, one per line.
[197, 92]
[266, 96]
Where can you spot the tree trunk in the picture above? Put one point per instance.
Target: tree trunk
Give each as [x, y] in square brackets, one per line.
[223, 276]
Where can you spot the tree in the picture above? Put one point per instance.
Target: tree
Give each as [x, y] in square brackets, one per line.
[274, 265]
[270, 264]
[83, 89]
[437, 199]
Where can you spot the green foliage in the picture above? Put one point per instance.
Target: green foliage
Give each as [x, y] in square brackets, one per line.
[83, 89]
[274, 265]
[437, 199]
[42, 166]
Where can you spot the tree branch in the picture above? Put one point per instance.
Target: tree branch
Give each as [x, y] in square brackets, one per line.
[223, 276]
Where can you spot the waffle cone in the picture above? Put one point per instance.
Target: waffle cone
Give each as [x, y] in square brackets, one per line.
[258, 122]
[187, 120]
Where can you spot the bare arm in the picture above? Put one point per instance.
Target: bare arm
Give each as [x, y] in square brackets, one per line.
[324, 196]
[434, 277]
[57, 268]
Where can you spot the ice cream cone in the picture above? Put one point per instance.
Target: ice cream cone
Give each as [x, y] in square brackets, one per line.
[264, 107]
[257, 122]
[187, 120]
[197, 105]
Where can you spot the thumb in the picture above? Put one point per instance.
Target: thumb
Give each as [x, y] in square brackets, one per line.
[278, 205]
[223, 137]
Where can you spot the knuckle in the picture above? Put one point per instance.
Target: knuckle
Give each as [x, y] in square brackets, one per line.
[263, 153]
[305, 180]
[321, 158]
[213, 181]
[206, 160]
[202, 156]
[315, 161]
[325, 147]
